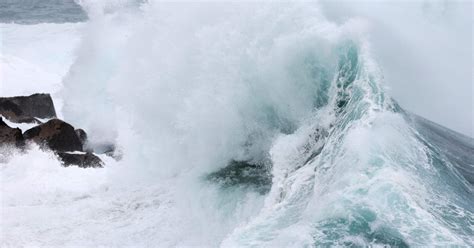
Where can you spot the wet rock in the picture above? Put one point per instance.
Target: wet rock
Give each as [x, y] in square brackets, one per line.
[115, 154]
[10, 136]
[30, 120]
[243, 173]
[27, 108]
[55, 134]
[83, 160]
[82, 135]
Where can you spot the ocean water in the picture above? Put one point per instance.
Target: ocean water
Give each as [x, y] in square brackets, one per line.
[241, 124]
[40, 11]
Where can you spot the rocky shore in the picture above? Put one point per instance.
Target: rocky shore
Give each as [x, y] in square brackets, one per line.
[48, 132]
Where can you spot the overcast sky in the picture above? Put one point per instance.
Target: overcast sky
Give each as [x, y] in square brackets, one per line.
[425, 49]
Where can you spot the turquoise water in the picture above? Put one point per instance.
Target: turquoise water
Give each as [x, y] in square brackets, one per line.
[260, 125]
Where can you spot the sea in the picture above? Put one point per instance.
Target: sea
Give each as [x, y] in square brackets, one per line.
[241, 124]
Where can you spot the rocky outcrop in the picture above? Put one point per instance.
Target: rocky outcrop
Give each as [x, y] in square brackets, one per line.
[65, 141]
[10, 136]
[244, 174]
[82, 135]
[62, 138]
[56, 135]
[83, 160]
[23, 109]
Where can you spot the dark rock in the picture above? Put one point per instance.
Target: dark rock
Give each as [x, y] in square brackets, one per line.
[82, 136]
[243, 173]
[28, 120]
[83, 160]
[115, 154]
[10, 136]
[55, 134]
[26, 108]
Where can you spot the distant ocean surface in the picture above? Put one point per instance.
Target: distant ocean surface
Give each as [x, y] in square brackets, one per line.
[40, 11]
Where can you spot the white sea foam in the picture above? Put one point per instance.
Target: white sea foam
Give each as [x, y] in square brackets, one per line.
[34, 58]
[185, 90]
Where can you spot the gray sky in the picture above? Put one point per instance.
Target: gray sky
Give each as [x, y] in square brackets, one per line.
[425, 49]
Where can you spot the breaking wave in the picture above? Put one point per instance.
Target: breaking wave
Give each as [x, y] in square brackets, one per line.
[252, 125]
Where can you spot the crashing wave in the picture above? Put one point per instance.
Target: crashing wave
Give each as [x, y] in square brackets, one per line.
[252, 125]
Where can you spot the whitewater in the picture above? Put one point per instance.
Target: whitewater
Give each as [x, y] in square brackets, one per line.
[240, 124]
